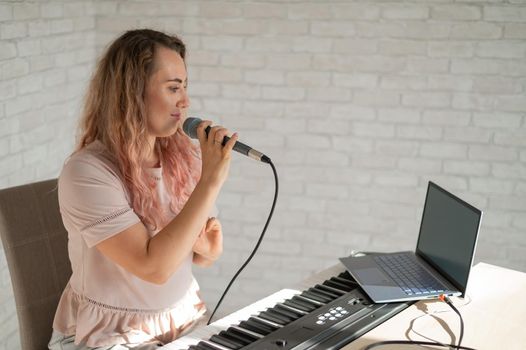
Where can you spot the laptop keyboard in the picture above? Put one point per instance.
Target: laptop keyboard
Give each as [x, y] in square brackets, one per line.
[408, 274]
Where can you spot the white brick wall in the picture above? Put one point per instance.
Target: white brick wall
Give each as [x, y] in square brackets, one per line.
[47, 50]
[358, 104]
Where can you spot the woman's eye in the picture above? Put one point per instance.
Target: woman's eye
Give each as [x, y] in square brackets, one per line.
[174, 88]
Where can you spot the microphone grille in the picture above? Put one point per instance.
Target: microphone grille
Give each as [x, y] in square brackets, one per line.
[190, 127]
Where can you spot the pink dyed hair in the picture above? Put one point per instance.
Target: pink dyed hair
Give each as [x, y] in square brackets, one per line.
[115, 114]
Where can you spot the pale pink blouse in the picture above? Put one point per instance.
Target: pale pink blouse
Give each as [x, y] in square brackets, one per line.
[103, 304]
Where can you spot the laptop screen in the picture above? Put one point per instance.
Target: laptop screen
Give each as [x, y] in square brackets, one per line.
[448, 235]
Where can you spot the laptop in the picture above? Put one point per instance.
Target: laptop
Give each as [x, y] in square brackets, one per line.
[441, 262]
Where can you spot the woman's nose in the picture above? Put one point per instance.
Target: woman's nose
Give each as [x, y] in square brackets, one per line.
[184, 102]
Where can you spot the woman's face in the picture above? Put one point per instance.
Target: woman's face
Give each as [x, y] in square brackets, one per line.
[166, 99]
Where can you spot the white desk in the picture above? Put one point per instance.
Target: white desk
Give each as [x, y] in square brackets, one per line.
[494, 314]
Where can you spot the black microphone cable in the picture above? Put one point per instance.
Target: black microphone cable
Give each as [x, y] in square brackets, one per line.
[257, 244]
[448, 301]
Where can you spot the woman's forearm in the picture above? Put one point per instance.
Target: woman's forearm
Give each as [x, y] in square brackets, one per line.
[170, 246]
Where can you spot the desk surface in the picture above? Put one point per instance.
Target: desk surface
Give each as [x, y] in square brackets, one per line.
[494, 313]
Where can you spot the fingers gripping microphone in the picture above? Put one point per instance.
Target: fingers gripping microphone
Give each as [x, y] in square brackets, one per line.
[190, 128]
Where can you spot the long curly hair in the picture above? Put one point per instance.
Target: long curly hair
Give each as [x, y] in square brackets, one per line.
[115, 114]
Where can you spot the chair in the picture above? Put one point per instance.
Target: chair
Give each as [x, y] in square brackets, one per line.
[35, 245]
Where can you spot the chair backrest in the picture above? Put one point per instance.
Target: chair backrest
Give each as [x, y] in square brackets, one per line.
[35, 244]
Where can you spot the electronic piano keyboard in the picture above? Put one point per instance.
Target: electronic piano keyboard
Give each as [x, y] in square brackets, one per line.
[319, 315]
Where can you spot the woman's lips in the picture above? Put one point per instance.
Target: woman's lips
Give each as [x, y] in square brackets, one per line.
[176, 115]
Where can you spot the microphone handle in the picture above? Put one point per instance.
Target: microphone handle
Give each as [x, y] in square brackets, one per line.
[244, 149]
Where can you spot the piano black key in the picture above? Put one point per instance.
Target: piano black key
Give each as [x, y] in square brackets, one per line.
[197, 347]
[228, 334]
[345, 281]
[313, 298]
[336, 291]
[274, 325]
[275, 316]
[221, 340]
[255, 327]
[250, 336]
[339, 285]
[288, 311]
[281, 315]
[320, 296]
[305, 302]
[294, 309]
[299, 306]
[255, 335]
[344, 273]
[319, 290]
[279, 309]
[283, 312]
[231, 334]
[207, 345]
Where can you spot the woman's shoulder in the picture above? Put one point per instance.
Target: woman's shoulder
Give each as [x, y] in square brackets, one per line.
[92, 161]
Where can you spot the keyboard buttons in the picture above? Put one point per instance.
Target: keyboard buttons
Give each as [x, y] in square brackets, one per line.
[321, 319]
[333, 314]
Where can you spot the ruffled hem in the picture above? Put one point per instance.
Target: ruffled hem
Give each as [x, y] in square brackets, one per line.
[96, 324]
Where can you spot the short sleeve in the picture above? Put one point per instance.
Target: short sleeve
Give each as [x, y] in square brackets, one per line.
[93, 200]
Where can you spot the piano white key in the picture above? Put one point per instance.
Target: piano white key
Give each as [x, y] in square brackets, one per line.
[235, 318]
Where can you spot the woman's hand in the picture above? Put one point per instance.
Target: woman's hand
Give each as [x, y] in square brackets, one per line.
[209, 244]
[215, 156]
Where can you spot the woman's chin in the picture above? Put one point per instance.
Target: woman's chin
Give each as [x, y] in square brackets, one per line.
[170, 132]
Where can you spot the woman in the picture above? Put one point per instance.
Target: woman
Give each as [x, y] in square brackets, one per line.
[135, 199]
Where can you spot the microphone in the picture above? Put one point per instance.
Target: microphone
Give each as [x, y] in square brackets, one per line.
[190, 129]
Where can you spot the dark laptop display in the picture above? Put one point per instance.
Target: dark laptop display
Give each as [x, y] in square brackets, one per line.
[448, 235]
[442, 260]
